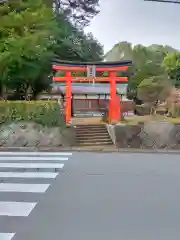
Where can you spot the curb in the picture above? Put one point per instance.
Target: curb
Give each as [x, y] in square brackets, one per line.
[92, 149]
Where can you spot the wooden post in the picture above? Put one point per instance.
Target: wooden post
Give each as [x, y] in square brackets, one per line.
[112, 102]
[68, 98]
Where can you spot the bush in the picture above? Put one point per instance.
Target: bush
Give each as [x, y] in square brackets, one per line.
[46, 113]
[175, 112]
[142, 110]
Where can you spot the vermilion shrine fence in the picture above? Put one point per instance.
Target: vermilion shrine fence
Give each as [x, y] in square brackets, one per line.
[91, 68]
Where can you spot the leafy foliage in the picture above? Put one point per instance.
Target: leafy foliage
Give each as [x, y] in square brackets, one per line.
[154, 90]
[43, 112]
[26, 42]
[147, 62]
[31, 35]
[75, 45]
[172, 66]
[79, 12]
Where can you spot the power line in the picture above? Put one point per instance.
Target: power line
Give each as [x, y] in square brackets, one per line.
[164, 1]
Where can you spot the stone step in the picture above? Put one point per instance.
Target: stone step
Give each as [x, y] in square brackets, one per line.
[92, 132]
[90, 125]
[82, 131]
[90, 128]
[94, 143]
[95, 140]
[92, 137]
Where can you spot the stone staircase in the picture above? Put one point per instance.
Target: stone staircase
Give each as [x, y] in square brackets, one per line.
[92, 135]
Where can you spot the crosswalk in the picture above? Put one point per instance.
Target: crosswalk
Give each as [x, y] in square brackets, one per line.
[23, 173]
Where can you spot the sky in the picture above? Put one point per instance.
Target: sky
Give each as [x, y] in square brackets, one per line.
[137, 22]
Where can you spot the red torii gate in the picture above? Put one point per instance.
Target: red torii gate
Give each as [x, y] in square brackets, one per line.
[111, 67]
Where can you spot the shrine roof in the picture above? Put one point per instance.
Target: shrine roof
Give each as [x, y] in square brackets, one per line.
[89, 89]
[102, 64]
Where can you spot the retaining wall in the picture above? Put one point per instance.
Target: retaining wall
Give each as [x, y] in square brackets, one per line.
[151, 134]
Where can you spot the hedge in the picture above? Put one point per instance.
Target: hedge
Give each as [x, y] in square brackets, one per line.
[46, 113]
[174, 111]
[143, 110]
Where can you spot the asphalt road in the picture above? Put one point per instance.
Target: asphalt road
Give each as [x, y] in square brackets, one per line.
[107, 196]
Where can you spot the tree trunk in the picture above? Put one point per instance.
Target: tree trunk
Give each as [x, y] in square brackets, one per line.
[26, 92]
[173, 109]
[151, 110]
[4, 93]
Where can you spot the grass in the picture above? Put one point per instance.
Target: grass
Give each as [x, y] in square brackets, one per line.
[133, 120]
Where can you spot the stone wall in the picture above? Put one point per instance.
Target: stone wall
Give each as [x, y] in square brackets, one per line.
[151, 134]
[110, 129]
[29, 134]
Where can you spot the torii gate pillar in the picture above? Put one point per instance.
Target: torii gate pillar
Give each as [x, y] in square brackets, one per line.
[114, 103]
[68, 97]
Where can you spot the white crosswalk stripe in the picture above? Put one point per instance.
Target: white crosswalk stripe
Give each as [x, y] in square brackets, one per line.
[36, 154]
[28, 175]
[32, 158]
[31, 165]
[6, 236]
[22, 173]
[18, 209]
[23, 187]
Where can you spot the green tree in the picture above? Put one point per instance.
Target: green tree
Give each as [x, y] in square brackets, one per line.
[154, 90]
[27, 37]
[139, 74]
[31, 35]
[172, 66]
[79, 12]
[74, 45]
[147, 62]
[92, 50]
